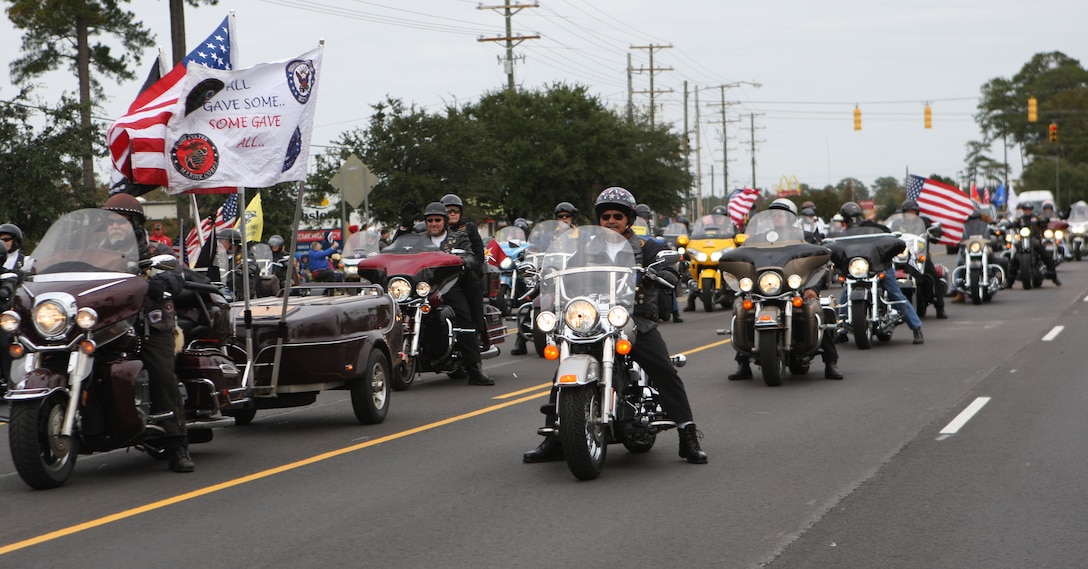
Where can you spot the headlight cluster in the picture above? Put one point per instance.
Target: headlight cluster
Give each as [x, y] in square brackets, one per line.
[546, 321]
[9, 321]
[351, 270]
[50, 319]
[506, 264]
[859, 267]
[1025, 232]
[581, 316]
[975, 247]
[701, 256]
[1048, 233]
[770, 283]
[400, 289]
[618, 316]
[1059, 234]
[746, 284]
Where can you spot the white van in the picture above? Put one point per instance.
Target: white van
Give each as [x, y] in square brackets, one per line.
[1037, 197]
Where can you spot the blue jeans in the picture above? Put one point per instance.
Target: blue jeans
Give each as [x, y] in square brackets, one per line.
[895, 293]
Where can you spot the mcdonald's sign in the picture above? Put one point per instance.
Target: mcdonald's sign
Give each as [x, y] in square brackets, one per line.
[788, 186]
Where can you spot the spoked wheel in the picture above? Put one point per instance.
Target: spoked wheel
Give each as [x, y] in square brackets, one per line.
[403, 375]
[581, 432]
[370, 393]
[42, 456]
[771, 360]
[707, 294]
[859, 321]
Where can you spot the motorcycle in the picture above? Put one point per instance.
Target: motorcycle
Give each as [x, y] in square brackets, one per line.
[78, 384]
[359, 246]
[416, 274]
[919, 288]
[861, 261]
[772, 322]
[975, 276]
[1054, 241]
[604, 397]
[1078, 229]
[540, 239]
[511, 268]
[1026, 267]
[711, 236]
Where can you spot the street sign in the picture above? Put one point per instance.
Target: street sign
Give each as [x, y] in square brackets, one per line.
[353, 180]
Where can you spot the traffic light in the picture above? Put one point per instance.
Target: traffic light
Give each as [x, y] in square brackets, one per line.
[857, 118]
[929, 116]
[1053, 133]
[1033, 109]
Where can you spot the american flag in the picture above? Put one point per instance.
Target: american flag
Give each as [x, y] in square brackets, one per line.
[137, 140]
[943, 203]
[225, 217]
[740, 203]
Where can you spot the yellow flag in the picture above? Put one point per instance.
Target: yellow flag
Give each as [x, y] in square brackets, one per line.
[254, 220]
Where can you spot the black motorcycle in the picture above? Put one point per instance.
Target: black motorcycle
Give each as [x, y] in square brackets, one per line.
[862, 261]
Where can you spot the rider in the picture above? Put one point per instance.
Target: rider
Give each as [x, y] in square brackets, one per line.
[157, 350]
[856, 224]
[318, 259]
[565, 212]
[474, 279]
[810, 222]
[1027, 219]
[615, 210]
[910, 209]
[828, 352]
[436, 216]
[12, 237]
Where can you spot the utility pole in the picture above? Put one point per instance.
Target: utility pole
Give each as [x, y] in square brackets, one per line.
[511, 40]
[752, 123]
[686, 148]
[725, 140]
[652, 71]
[698, 162]
[630, 90]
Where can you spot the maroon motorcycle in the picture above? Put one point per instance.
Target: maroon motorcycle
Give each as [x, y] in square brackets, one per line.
[78, 385]
[416, 274]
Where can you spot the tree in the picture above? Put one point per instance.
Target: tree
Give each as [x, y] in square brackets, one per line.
[59, 33]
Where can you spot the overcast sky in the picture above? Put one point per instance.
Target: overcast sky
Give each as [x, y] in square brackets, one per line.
[815, 61]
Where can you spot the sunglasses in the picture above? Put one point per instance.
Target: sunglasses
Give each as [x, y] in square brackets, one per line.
[6, 239]
[453, 210]
[615, 216]
[435, 219]
[563, 216]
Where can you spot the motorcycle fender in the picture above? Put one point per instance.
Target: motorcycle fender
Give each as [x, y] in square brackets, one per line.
[37, 384]
[578, 369]
[711, 274]
[769, 317]
[859, 293]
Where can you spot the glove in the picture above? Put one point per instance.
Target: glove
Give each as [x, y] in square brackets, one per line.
[408, 214]
[163, 283]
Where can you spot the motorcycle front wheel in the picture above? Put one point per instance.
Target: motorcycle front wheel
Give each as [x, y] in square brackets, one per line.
[707, 294]
[403, 375]
[581, 432]
[43, 458]
[771, 360]
[859, 321]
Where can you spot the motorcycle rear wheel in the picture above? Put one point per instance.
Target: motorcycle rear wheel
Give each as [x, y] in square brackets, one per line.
[859, 321]
[370, 393]
[771, 359]
[581, 432]
[42, 457]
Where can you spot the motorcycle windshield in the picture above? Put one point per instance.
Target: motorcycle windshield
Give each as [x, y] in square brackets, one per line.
[773, 226]
[540, 239]
[510, 236]
[362, 244]
[591, 262]
[911, 224]
[411, 243]
[713, 227]
[88, 241]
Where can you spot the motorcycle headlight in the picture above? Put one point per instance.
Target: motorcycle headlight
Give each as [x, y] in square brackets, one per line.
[859, 267]
[400, 289]
[701, 256]
[50, 318]
[715, 256]
[1048, 233]
[86, 318]
[618, 317]
[1058, 234]
[506, 264]
[746, 284]
[682, 250]
[1008, 237]
[9, 321]
[546, 321]
[423, 288]
[975, 247]
[770, 283]
[580, 316]
[351, 270]
[1025, 232]
[794, 281]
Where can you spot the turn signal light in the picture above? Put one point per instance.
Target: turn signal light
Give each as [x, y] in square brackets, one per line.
[87, 347]
[798, 301]
[425, 308]
[747, 304]
[551, 352]
[623, 347]
[16, 351]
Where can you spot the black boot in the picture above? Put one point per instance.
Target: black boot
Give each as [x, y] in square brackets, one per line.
[744, 371]
[676, 317]
[180, 461]
[690, 306]
[1055, 279]
[831, 371]
[940, 313]
[689, 445]
[550, 449]
[519, 347]
[918, 339]
[476, 375]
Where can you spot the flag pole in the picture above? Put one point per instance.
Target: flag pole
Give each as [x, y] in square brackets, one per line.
[281, 331]
[247, 313]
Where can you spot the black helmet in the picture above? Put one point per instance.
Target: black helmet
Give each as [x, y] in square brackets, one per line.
[615, 198]
[719, 210]
[808, 211]
[232, 235]
[522, 224]
[783, 203]
[566, 207]
[850, 211]
[436, 208]
[909, 205]
[1026, 205]
[452, 199]
[15, 232]
[642, 210]
[126, 204]
[275, 241]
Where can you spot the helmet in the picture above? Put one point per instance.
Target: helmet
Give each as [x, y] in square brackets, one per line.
[837, 218]
[809, 204]
[642, 210]
[975, 214]
[436, 208]
[452, 199]
[275, 241]
[522, 224]
[1047, 204]
[566, 207]
[783, 203]
[232, 235]
[850, 211]
[1026, 205]
[808, 211]
[615, 198]
[683, 220]
[125, 204]
[909, 205]
[15, 232]
[719, 210]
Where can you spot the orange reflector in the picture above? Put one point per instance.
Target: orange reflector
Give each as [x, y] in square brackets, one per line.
[349, 367]
[842, 279]
[765, 318]
[551, 352]
[881, 275]
[16, 351]
[747, 304]
[426, 308]
[921, 258]
[798, 301]
[623, 347]
[87, 347]
[568, 378]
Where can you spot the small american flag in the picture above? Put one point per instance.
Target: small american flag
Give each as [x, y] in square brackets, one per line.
[943, 203]
[740, 203]
[225, 217]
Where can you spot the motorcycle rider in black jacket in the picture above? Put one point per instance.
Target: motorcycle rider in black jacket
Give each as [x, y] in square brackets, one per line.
[1027, 218]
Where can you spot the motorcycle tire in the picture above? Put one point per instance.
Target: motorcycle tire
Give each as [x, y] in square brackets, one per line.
[771, 359]
[42, 457]
[370, 393]
[242, 417]
[500, 301]
[581, 433]
[976, 291]
[1076, 254]
[706, 292]
[1026, 270]
[799, 366]
[403, 375]
[859, 322]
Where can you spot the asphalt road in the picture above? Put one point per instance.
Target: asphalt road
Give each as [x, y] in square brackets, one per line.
[816, 473]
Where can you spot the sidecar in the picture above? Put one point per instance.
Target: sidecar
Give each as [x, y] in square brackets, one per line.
[335, 336]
